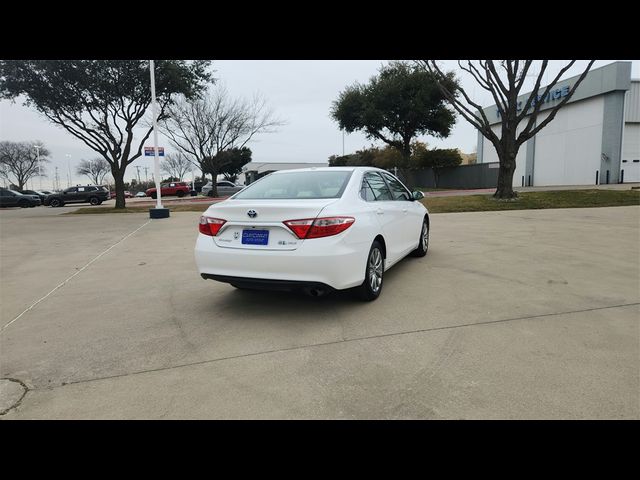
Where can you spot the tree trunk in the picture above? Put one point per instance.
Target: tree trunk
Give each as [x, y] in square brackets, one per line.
[504, 189]
[118, 177]
[435, 177]
[214, 181]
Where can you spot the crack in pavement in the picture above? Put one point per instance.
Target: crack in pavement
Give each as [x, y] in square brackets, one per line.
[16, 404]
[336, 342]
[60, 285]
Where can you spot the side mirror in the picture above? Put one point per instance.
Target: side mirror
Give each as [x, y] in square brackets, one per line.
[417, 195]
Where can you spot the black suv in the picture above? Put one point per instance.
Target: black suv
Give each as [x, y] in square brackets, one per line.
[10, 198]
[92, 194]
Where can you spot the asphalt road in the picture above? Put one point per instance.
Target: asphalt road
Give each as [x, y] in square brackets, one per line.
[518, 314]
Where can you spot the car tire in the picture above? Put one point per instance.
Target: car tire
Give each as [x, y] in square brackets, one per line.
[373, 274]
[154, 196]
[423, 244]
[180, 194]
[94, 201]
[56, 202]
[24, 204]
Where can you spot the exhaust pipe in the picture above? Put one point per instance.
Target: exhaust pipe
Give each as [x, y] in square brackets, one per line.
[316, 292]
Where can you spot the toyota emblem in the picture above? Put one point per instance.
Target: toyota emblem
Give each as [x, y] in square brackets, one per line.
[252, 214]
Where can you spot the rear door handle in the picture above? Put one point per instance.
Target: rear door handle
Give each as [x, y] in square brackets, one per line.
[380, 211]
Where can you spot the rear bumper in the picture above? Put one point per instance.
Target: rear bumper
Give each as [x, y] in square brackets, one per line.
[329, 262]
[267, 284]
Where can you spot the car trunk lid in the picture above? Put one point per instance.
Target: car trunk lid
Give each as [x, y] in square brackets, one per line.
[258, 225]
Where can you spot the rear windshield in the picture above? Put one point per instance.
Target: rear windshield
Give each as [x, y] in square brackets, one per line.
[309, 184]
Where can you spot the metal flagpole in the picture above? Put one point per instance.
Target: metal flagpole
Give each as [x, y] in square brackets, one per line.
[160, 211]
[155, 136]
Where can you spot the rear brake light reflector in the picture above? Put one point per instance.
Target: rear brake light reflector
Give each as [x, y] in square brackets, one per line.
[210, 226]
[319, 227]
[299, 227]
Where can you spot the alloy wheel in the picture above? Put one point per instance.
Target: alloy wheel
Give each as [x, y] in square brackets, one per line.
[375, 270]
[425, 236]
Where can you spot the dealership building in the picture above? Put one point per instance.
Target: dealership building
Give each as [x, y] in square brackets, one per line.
[593, 139]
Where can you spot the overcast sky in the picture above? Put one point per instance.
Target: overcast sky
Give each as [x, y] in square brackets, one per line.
[300, 92]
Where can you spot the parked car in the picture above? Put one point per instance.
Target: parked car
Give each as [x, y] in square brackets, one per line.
[317, 230]
[225, 188]
[140, 195]
[179, 189]
[11, 198]
[40, 194]
[127, 194]
[93, 194]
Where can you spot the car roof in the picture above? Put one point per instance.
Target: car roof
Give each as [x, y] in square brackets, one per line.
[329, 169]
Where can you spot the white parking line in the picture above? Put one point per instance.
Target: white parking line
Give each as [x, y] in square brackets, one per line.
[67, 280]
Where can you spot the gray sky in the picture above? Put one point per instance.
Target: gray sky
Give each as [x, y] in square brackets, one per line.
[300, 92]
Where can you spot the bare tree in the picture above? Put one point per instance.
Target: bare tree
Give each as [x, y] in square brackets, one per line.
[203, 128]
[102, 102]
[95, 169]
[504, 80]
[19, 161]
[176, 165]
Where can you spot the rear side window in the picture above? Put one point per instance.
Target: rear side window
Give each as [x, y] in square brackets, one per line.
[397, 189]
[378, 187]
[290, 185]
[366, 192]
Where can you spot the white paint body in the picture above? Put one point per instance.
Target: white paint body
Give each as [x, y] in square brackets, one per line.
[338, 261]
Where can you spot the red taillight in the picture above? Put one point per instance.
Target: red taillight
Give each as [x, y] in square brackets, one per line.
[210, 226]
[319, 227]
[299, 227]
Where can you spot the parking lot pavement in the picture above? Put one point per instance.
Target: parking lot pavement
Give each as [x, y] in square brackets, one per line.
[516, 314]
[36, 212]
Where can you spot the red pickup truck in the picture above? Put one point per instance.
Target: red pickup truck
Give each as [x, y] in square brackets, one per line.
[179, 189]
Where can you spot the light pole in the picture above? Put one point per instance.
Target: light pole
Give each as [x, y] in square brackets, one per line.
[68, 169]
[38, 147]
[159, 211]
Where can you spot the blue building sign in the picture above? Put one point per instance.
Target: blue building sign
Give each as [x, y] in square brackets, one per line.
[552, 95]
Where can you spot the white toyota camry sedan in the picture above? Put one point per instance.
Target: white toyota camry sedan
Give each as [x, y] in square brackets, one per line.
[314, 229]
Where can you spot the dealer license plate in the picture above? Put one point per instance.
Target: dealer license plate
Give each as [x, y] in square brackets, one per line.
[255, 237]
